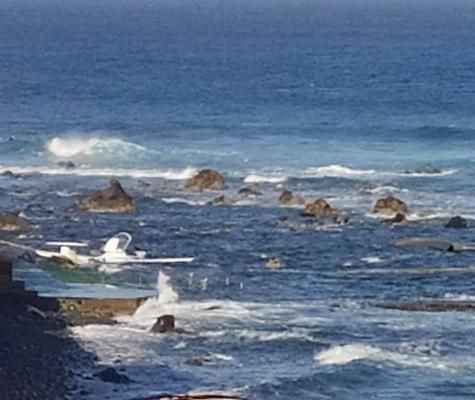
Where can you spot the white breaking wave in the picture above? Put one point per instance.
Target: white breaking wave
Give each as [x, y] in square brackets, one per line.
[345, 354]
[169, 174]
[340, 171]
[78, 144]
[341, 355]
[254, 178]
[173, 200]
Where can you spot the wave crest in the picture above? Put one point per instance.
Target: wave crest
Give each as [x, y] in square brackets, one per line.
[79, 144]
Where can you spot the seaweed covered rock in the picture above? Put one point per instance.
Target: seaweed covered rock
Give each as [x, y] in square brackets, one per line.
[206, 179]
[112, 199]
[390, 205]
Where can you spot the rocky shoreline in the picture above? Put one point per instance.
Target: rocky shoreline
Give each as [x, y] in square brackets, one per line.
[37, 356]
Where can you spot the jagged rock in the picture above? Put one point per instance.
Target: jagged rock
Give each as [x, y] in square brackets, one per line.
[390, 205]
[223, 201]
[249, 192]
[288, 198]
[428, 169]
[206, 179]
[164, 323]
[13, 223]
[398, 219]
[112, 199]
[274, 263]
[111, 375]
[66, 164]
[320, 208]
[457, 222]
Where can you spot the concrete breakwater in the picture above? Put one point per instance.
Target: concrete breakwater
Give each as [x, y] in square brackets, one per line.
[77, 309]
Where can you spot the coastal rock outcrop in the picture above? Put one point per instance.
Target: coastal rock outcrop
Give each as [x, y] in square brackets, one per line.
[390, 205]
[13, 223]
[112, 199]
[457, 222]
[288, 198]
[320, 208]
[206, 179]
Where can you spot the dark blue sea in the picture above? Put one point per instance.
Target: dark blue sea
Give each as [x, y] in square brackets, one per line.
[349, 100]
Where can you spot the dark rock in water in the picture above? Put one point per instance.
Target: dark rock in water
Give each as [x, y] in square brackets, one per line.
[206, 179]
[288, 198]
[398, 219]
[428, 169]
[320, 207]
[390, 205]
[223, 201]
[112, 199]
[8, 174]
[249, 192]
[164, 323]
[13, 223]
[111, 375]
[66, 164]
[457, 223]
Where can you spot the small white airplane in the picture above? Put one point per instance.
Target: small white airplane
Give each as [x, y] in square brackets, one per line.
[113, 252]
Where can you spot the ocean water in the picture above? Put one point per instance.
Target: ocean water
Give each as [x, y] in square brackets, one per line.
[344, 100]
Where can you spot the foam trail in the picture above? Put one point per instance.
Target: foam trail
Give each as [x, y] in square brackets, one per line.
[168, 174]
[254, 178]
[341, 171]
[341, 355]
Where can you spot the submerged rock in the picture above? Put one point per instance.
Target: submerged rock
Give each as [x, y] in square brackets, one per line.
[223, 201]
[13, 223]
[288, 198]
[111, 375]
[164, 323]
[8, 174]
[428, 169]
[398, 219]
[66, 164]
[249, 192]
[206, 179]
[390, 205]
[112, 199]
[274, 263]
[457, 222]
